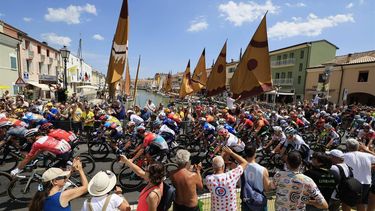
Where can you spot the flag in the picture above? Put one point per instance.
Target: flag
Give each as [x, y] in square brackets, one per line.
[186, 88]
[168, 83]
[127, 79]
[119, 52]
[253, 73]
[199, 79]
[216, 82]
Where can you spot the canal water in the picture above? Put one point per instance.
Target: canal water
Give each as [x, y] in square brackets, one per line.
[143, 96]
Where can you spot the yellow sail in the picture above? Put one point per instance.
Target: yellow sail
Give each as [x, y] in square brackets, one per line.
[119, 51]
[253, 73]
[199, 78]
[127, 79]
[186, 88]
[216, 82]
[168, 83]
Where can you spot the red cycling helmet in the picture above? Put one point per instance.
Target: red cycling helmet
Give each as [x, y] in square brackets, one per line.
[46, 126]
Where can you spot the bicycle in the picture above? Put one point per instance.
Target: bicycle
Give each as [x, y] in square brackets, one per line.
[5, 180]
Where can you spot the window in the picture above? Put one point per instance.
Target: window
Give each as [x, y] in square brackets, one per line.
[40, 67]
[39, 49]
[15, 89]
[47, 53]
[291, 55]
[321, 80]
[27, 44]
[277, 75]
[300, 67]
[285, 56]
[290, 74]
[28, 64]
[299, 79]
[13, 63]
[232, 69]
[282, 75]
[48, 69]
[302, 54]
[363, 76]
[278, 57]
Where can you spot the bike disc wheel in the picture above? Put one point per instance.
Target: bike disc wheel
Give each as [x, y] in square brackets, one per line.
[7, 161]
[98, 151]
[129, 180]
[19, 191]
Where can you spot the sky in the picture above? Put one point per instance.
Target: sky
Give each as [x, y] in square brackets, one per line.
[167, 33]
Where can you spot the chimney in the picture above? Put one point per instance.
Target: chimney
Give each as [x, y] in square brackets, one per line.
[348, 58]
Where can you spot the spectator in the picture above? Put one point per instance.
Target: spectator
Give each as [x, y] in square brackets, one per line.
[222, 185]
[337, 159]
[99, 187]
[294, 190]
[186, 183]
[150, 106]
[50, 113]
[145, 114]
[361, 163]
[119, 109]
[255, 175]
[50, 196]
[150, 196]
[88, 117]
[74, 98]
[76, 114]
[325, 178]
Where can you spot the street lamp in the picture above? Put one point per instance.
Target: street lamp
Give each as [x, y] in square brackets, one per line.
[65, 55]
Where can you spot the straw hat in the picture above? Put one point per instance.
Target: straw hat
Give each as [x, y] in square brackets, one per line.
[102, 183]
[53, 173]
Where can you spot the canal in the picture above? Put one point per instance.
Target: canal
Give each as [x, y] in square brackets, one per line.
[143, 96]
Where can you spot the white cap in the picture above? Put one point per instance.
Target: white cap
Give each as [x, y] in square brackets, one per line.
[336, 153]
[53, 173]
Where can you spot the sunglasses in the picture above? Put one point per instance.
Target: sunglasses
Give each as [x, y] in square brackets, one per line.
[61, 177]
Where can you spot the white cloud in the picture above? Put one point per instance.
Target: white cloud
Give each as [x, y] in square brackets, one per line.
[239, 13]
[199, 24]
[361, 2]
[26, 19]
[52, 38]
[312, 26]
[97, 37]
[298, 4]
[350, 5]
[70, 15]
[2, 14]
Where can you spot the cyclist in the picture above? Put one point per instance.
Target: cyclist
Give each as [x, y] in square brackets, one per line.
[227, 126]
[261, 128]
[59, 134]
[332, 137]
[278, 139]
[14, 134]
[366, 135]
[34, 120]
[134, 117]
[231, 141]
[295, 142]
[115, 133]
[61, 149]
[207, 131]
[154, 146]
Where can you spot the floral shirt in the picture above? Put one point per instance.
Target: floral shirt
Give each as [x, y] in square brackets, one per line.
[293, 190]
[223, 189]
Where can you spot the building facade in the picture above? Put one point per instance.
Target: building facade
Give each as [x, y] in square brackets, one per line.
[351, 79]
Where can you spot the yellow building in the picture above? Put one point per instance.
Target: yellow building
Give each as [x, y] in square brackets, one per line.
[351, 79]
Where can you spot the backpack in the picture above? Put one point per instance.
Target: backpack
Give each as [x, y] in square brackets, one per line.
[169, 194]
[253, 198]
[349, 189]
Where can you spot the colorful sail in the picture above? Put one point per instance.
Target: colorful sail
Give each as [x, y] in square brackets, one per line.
[168, 83]
[186, 88]
[216, 82]
[119, 50]
[253, 73]
[199, 78]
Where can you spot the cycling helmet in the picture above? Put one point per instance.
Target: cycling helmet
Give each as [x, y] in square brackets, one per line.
[290, 131]
[31, 132]
[222, 121]
[223, 132]
[357, 117]
[273, 112]
[103, 117]
[113, 125]
[46, 126]
[277, 129]
[202, 119]
[130, 112]
[101, 112]
[366, 125]
[18, 110]
[28, 116]
[170, 115]
[107, 125]
[218, 128]
[5, 124]
[141, 129]
[131, 124]
[300, 116]
[328, 126]
[282, 122]
[156, 123]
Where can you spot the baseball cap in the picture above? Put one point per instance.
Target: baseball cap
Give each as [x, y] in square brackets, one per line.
[53, 173]
[336, 153]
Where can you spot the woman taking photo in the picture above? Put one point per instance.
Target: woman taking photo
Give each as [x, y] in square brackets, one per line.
[150, 196]
[51, 196]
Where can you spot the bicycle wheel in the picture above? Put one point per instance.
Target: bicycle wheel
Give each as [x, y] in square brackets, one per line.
[117, 166]
[5, 180]
[98, 150]
[129, 180]
[88, 163]
[22, 190]
[8, 161]
[206, 172]
[169, 167]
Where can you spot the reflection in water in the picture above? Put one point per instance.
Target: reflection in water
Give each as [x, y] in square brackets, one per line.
[143, 96]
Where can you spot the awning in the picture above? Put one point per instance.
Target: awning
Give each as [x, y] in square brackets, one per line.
[4, 87]
[87, 87]
[273, 92]
[44, 87]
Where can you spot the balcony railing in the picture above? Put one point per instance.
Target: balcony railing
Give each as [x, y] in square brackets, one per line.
[284, 62]
[42, 58]
[30, 54]
[283, 81]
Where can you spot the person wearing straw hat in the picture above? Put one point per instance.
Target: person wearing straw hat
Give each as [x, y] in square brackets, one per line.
[99, 187]
[50, 195]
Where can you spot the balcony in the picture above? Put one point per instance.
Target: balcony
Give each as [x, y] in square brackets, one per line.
[283, 81]
[283, 63]
[29, 54]
[42, 58]
[50, 60]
